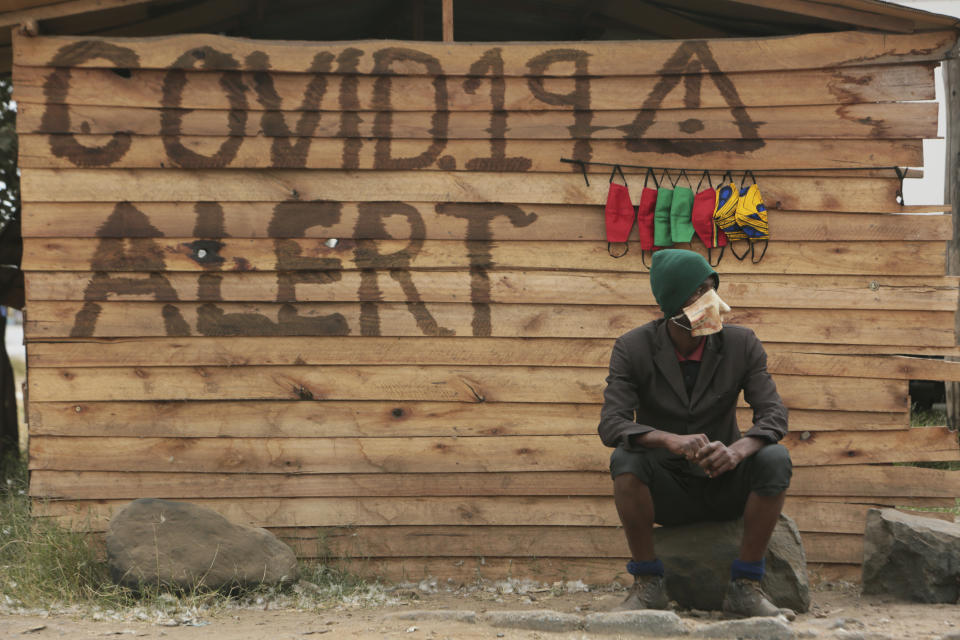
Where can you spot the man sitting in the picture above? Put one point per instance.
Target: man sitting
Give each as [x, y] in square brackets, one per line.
[670, 412]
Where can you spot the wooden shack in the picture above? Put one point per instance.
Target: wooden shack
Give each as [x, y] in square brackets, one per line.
[351, 292]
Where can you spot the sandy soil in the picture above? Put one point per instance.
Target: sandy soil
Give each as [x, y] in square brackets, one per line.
[838, 612]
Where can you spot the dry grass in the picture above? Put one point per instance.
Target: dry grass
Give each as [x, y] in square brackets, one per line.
[45, 565]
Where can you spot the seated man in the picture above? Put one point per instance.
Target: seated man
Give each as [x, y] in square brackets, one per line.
[670, 411]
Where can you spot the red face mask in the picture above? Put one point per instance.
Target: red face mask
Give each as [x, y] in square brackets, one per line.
[648, 200]
[704, 204]
[619, 213]
[707, 230]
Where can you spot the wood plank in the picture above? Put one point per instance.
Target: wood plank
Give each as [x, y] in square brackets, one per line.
[19, 5]
[100, 22]
[874, 480]
[59, 485]
[810, 516]
[457, 541]
[311, 419]
[242, 220]
[447, 20]
[526, 541]
[846, 447]
[523, 155]
[216, 419]
[506, 286]
[202, 351]
[825, 260]
[374, 419]
[907, 503]
[197, 17]
[59, 10]
[146, 319]
[833, 547]
[920, 16]
[824, 573]
[899, 367]
[440, 455]
[878, 483]
[875, 120]
[865, 195]
[886, 484]
[607, 92]
[857, 18]
[853, 349]
[519, 59]
[399, 382]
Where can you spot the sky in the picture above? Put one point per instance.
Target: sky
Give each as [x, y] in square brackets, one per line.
[929, 190]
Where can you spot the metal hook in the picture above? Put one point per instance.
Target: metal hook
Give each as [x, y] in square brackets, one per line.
[583, 169]
[901, 174]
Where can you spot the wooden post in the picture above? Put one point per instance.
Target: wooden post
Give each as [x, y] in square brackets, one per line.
[448, 20]
[951, 194]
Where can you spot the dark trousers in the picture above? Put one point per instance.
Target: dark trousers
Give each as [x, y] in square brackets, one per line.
[682, 493]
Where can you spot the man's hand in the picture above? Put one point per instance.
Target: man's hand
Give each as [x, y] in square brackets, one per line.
[688, 446]
[717, 458]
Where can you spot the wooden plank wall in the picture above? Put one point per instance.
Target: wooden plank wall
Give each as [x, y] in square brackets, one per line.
[348, 291]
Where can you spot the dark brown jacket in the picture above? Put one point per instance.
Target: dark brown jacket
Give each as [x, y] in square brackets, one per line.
[645, 388]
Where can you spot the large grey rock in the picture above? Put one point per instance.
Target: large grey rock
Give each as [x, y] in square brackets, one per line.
[162, 543]
[911, 557]
[698, 557]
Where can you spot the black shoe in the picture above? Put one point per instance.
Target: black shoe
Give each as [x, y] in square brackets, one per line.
[647, 592]
[745, 599]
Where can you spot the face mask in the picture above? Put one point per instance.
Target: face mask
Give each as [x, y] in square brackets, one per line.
[705, 316]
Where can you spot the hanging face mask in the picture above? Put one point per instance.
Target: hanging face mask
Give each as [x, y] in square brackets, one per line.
[645, 213]
[705, 316]
[619, 214]
[706, 227]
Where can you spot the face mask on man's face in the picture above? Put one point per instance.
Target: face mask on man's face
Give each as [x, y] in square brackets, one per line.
[704, 316]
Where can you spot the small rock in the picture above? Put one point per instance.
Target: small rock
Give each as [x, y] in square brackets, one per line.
[843, 634]
[443, 615]
[537, 620]
[847, 623]
[752, 628]
[411, 629]
[645, 622]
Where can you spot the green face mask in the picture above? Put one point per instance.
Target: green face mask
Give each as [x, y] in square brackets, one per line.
[681, 224]
[661, 218]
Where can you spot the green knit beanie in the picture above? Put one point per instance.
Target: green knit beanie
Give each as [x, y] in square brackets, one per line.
[675, 275]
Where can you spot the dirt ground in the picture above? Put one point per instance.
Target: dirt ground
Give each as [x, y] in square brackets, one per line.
[838, 611]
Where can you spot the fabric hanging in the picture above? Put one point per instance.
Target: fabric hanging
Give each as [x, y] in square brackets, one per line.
[681, 207]
[645, 213]
[751, 216]
[619, 213]
[706, 227]
[725, 213]
[661, 216]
